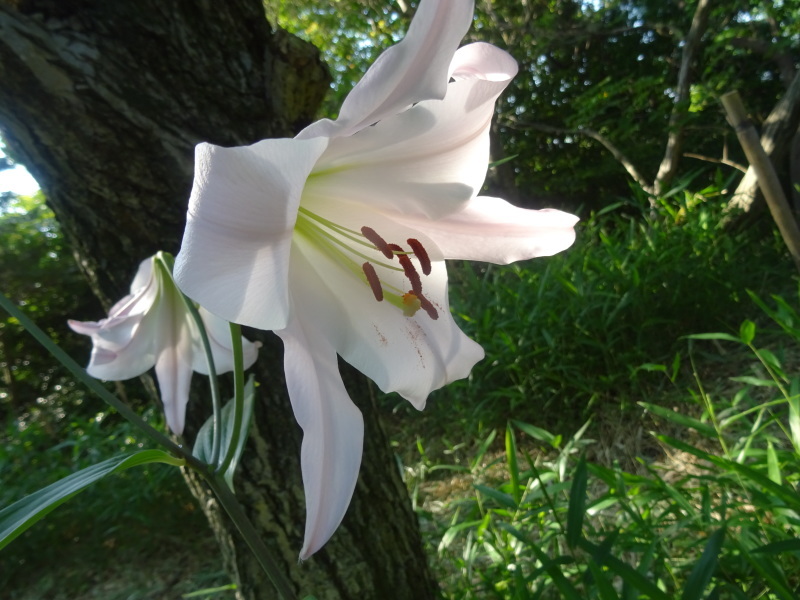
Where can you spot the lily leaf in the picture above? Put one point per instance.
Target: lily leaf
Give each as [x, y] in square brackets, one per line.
[22, 514]
[204, 442]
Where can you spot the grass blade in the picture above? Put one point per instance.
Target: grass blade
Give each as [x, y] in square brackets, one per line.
[577, 504]
[705, 567]
[513, 467]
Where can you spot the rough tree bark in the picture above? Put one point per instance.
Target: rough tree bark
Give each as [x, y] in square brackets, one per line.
[104, 102]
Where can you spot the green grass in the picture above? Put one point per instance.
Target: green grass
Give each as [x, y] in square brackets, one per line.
[716, 516]
[688, 487]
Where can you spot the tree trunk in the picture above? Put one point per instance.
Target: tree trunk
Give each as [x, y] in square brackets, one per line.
[104, 101]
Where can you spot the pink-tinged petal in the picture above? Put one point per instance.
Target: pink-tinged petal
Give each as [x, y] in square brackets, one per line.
[410, 355]
[409, 72]
[492, 230]
[219, 337]
[174, 360]
[119, 351]
[235, 253]
[427, 161]
[174, 374]
[333, 431]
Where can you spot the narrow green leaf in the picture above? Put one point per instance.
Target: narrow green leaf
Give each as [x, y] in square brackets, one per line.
[551, 566]
[502, 499]
[538, 433]
[605, 588]
[577, 504]
[627, 573]
[747, 331]
[453, 531]
[794, 419]
[714, 336]
[204, 442]
[484, 447]
[22, 514]
[680, 419]
[773, 466]
[676, 365]
[502, 161]
[755, 381]
[513, 467]
[216, 590]
[703, 570]
[792, 545]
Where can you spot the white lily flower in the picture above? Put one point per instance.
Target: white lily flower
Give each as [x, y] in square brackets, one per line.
[152, 327]
[336, 239]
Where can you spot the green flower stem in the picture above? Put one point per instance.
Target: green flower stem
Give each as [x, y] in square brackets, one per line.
[238, 397]
[94, 385]
[263, 554]
[213, 382]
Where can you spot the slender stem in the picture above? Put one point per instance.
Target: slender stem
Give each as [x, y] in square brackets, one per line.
[95, 386]
[263, 554]
[238, 397]
[168, 261]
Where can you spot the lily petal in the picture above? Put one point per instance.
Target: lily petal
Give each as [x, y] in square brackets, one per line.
[411, 71]
[248, 194]
[429, 160]
[174, 374]
[118, 351]
[333, 431]
[492, 230]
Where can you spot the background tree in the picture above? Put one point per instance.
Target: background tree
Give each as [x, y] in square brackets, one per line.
[104, 102]
[608, 92]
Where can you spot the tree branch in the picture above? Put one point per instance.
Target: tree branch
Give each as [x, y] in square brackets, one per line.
[669, 164]
[719, 161]
[598, 137]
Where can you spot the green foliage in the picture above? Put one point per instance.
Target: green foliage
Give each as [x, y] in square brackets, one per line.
[39, 273]
[581, 332]
[611, 67]
[716, 517]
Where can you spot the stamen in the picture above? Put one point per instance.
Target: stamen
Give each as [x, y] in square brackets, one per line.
[421, 254]
[408, 268]
[376, 239]
[373, 280]
[428, 307]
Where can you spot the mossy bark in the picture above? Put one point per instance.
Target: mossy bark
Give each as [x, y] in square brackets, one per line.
[104, 102]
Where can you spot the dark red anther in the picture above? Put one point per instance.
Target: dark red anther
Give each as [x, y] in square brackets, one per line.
[408, 268]
[377, 240]
[421, 254]
[372, 279]
[428, 307]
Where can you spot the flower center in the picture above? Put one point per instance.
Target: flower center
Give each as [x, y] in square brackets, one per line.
[350, 249]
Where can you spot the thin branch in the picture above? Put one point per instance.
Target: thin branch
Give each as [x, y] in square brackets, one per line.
[600, 138]
[719, 161]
